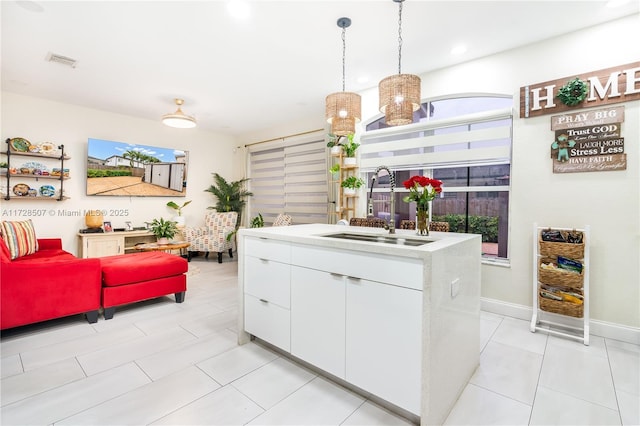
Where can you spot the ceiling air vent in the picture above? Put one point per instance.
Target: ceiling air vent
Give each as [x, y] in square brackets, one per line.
[64, 60]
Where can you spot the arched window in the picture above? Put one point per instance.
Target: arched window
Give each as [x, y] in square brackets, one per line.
[464, 141]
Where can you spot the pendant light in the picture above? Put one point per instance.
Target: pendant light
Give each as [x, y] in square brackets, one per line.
[179, 119]
[399, 95]
[342, 109]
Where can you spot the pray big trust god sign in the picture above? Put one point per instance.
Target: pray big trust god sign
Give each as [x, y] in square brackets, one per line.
[585, 141]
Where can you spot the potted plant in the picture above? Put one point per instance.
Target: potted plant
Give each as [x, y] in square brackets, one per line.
[179, 219]
[351, 184]
[164, 230]
[349, 150]
[257, 222]
[4, 167]
[230, 196]
[334, 144]
[334, 169]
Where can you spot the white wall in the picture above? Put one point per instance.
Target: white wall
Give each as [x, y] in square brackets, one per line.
[39, 120]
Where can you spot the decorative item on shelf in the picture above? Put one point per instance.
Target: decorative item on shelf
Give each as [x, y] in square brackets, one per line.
[335, 169]
[164, 230]
[107, 227]
[179, 219]
[179, 119]
[422, 190]
[4, 168]
[47, 191]
[349, 150]
[93, 219]
[56, 171]
[350, 184]
[574, 92]
[19, 144]
[21, 189]
[399, 95]
[343, 109]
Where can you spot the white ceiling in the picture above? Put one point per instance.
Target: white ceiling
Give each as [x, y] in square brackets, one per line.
[239, 76]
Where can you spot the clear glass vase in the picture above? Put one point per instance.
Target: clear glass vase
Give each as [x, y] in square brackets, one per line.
[422, 221]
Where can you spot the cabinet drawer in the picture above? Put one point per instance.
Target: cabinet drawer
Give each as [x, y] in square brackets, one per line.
[400, 271]
[268, 249]
[269, 322]
[269, 280]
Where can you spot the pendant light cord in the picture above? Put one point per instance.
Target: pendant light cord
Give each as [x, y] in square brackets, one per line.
[344, 50]
[399, 37]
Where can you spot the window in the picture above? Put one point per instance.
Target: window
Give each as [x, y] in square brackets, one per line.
[464, 142]
[289, 176]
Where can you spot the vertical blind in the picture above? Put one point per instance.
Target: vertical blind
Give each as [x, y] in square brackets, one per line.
[289, 176]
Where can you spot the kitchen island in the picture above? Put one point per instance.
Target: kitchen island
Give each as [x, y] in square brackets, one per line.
[396, 317]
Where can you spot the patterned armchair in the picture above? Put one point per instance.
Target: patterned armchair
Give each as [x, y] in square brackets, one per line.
[282, 220]
[213, 236]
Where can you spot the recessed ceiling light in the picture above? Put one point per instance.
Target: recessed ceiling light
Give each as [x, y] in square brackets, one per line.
[239, 9]
[459, 49]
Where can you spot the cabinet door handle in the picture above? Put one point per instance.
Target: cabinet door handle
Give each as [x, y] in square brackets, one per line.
[354, 278]
[263, 301]
[264, 260]
[334, 274]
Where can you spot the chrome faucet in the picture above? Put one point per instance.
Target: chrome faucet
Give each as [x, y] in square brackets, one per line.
[392, 184]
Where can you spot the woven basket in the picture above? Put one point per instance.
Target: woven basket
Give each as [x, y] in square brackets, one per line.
[559, 277]
[568, 250]
[561, 307]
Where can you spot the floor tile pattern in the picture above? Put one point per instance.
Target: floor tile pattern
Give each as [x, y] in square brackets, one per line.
[158, 362]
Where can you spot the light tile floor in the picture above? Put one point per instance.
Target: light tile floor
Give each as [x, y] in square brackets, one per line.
[159, 362]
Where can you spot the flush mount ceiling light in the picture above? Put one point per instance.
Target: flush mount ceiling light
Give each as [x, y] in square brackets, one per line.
[179, 119]
[342, 109]
[399, 95]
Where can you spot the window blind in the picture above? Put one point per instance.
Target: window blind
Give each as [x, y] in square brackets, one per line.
[470, 140]
[290, 176]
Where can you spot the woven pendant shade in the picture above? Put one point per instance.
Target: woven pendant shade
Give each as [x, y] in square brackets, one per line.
[343, 126]
[342, 111]
[399, 97]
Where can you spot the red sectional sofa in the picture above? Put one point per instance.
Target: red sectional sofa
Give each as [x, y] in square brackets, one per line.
[51, 283]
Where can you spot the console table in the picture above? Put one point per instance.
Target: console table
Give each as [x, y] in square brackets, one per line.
[110, 243]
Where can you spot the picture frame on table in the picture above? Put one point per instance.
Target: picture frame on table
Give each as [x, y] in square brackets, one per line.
[107, 227]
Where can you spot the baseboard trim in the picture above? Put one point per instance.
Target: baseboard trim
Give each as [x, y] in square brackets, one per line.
[597, 328]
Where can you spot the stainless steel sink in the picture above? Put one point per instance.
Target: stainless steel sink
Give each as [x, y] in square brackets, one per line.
[373, 238]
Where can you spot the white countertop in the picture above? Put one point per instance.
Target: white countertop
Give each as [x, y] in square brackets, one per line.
[315, 234]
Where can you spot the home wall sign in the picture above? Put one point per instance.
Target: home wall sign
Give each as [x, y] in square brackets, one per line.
[596, 145]
[607, 86]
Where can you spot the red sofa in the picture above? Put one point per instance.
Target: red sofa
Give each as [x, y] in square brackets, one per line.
[48, 284]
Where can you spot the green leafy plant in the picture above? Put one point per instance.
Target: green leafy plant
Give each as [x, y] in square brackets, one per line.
[3, 165]
[350, 147]
[334, 140]
[163, 228]
[335, 168]
[257, 222]
[352, 182]
[231, 196]
[177, 207]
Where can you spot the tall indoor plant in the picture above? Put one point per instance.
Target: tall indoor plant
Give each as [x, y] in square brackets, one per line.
[231, 196]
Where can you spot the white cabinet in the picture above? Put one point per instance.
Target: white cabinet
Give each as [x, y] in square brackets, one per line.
[317, 319]
[383, 341]
[267, 291]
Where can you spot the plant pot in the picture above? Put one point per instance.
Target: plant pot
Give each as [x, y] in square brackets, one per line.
[349, 191]
[163, 241]
[350, 161]
[335, 150]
